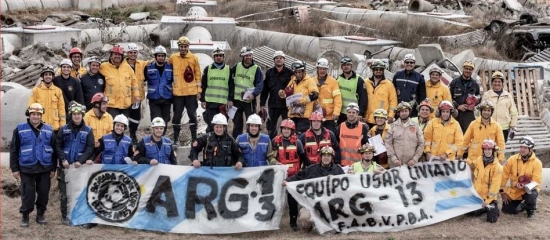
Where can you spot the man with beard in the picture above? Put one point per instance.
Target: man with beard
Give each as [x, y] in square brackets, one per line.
[32, 161]
[115, 147]
[77, 70]
[247, 75]
[300, 110]
[138, 66]
[487, 180]
[424, 111]
[92, 82]
[330, 97]
[352, 88]
[276, 79]
[443, 135]
[435, 90]
[51, 98]
[366, 164]
[159, 79]
[352, 134]
[482, 128]
[218, 86]
[521, 169]
[72, 91]
[98, 118]
[317, 137]
[325, 167]
[74, 145]
[465, 93]
[155, 149]
[404, 141]
[381, 93]
[220, 149]
[187, 88]
[381, 128]
[409, 84]
[256, 146]
[121, 86]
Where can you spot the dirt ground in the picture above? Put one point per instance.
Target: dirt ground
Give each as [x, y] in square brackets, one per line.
[508, 227]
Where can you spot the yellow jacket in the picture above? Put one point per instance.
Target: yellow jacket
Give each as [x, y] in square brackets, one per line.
[100, 126]
[506, 113]
[372, 131]
[487, 179]
[330, 97]
[179, 64]
[437, 93]
[441, 138]
[139, 68]
[382, 96]
[306, 87]
[514, 168]
[81, 72]
[476, 133]
[120, 84]
[53, 103]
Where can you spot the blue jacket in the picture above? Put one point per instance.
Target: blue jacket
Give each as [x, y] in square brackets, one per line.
[410, 87]
[35, 149]
[159, 86]
[152, 150]
[74, 145]
[254, 157]
[114, 153]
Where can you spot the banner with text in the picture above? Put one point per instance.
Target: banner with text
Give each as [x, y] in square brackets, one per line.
[398, 199]
[178, 199]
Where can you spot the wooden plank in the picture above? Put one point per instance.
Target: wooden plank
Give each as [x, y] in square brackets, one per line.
[535, 82]
[484, 81]
[527, 83]
[517, 80]
[510, 83]
[523, 87]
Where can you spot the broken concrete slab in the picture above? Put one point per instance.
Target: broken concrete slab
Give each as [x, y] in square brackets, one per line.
[445, 78]
[431, 53]
[93, 46]
[513, 5]
[139, 16]
[14, 58]
[466, 55]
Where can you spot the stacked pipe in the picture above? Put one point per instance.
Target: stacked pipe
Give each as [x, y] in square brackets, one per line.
[20, 5]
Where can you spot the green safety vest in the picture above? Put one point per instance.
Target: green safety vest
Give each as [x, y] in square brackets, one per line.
[348, 89]
[217, 90]
[244, 78]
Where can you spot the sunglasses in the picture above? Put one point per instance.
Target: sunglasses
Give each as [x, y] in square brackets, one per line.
[409, 62]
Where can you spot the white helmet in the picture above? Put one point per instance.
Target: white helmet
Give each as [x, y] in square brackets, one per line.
[219, 119]
[158, 122]
[66, 61]
[278, 54]
[254, 119]
[131, 47]
[246, 51]
[353, 106]
[121, 119]
[409, 56]
[322, 63]
[159, 50]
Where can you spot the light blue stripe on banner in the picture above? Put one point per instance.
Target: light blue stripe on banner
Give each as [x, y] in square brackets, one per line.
[450, 184]
[158, 221]
[450, 203]
[82, 213]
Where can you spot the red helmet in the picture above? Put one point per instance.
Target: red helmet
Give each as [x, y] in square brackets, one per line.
[316, 116]
[488, 143]
[288, 124]
[426, 103]
[75, 50]
[99, 97]
[445, 105]
[117, 49]
[524, 179]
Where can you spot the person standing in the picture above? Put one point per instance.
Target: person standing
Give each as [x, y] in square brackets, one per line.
[276, 79]
[424, 111]
[187, 88]
[77, 70]
[158, 75]
[381, 93]
[330, 97]
[317, 137]
[98, 118]
[409, 84]
[51, 98]
[435, 90]
[506, 113]
[138, 66]
[155, 149]
[465, 93]
[32, 160]
[71, 88]
[256, 146]
[404, 141]
[300, 110]
[352, 134]
[352, 88]
[92, 82]
[247, 75]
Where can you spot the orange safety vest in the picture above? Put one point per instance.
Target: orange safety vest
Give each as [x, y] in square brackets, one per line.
[288, 155]
[311, 146]
[350, 142]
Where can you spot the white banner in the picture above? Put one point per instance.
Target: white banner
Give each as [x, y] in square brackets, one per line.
[177, 199]
[398, 199]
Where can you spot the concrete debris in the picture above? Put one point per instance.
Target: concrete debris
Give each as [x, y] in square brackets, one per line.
[139, 16]
[14, 58]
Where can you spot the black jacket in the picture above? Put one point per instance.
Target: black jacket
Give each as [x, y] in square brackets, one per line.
[90, 86]
[460, 89]
[408, 84]
[219, 151]
[275, 81]
[315, 171]
[72, 91]
[15, 145]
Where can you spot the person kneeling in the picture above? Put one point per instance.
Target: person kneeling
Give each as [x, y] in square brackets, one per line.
[366, 164]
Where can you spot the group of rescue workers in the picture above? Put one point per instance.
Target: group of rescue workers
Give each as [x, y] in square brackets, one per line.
[79, 116]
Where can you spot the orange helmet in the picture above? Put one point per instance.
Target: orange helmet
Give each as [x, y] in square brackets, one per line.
[426, 103]
[488, 143]
[75, 50]
[117, 49]
[445, 105]
[316, 116]
[288, 123]
[99, 97]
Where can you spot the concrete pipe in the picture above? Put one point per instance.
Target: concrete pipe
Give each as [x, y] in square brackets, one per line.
[4, 7]
[37, 4]
[198, 33]
[137, 33]
[420, 6]
[14, 39]
[197, 12]
[15, 103]
[6, 86]
[359, 14]
[204, 60]
[52, 4]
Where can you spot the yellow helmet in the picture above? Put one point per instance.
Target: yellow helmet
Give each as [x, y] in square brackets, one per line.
[183, 40]
[366, 148]
[469, 64]
[497, 74]
[486, 104]
[402, 106]
[35, 108]
[381, 113]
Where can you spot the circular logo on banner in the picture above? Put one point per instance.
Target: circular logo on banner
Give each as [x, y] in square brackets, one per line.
[114, 196]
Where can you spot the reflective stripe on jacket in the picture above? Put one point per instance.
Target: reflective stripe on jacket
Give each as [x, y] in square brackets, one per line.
[114, 153]
[330, 97]
[305, 87]
[159, 86]
[120, 84]
[288, 155]
[477, 133]
[74, 144]
[443, 138]
[436, 93]
[487, 179]
[51, 99]
[382, 96]
[217, 90]
[100, 126]
[311, 146]
[514, 168]
[180, 64]
[506, 112]
[152, 150]
[350, 142]
[35, 149]
[256, 156]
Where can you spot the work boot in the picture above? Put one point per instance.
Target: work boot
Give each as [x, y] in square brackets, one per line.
[25, 220]
[177, 130]
[88, 225]
[293, 223]
[530, 213]
[40, 219]
[65, 221]
[520, 208]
